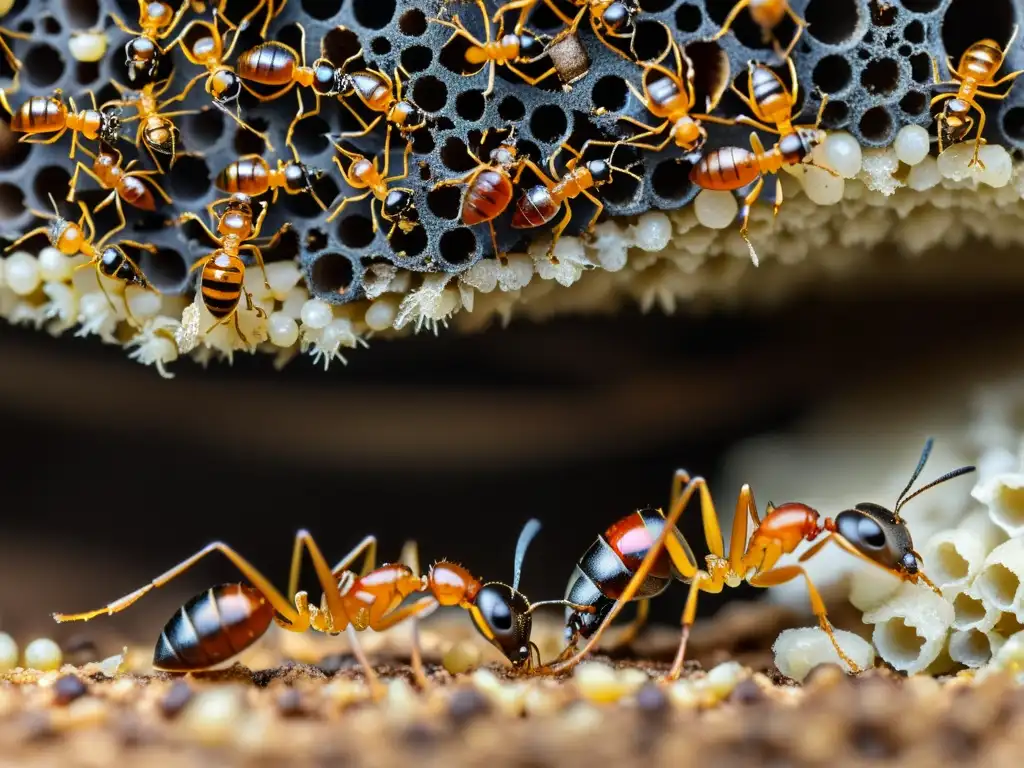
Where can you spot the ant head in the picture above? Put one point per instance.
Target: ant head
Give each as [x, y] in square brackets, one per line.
[237, 217]
[690, 134]
[600, 171]
[141, 57]
[398, 204]
[617, 16]
[529, 45]
[504, 155]
[226, 86]
[299, 177]
[956, 120]
[882, 535]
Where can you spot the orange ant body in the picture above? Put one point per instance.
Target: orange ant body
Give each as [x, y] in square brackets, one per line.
[767, 14]
[79, 238]
[608, 18]
[272, 10]
[973, 76]
[156, 22]
[671, 98]
[223, 621]
[489, 186]
[396, 203]
[505, 50]
[639, 556]
[223, 271]
[49, 115]
[123, 183]
[540, 204]
[157, 131]
[730, 168]
[222, 82]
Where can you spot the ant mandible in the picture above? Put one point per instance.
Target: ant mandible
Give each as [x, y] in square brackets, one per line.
[978, 65]
[646, 551]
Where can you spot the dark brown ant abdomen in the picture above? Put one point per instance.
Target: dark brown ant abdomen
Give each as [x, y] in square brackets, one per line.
[268, 64]
[212, 627]
[250, 176]
[40, 114]
[487, 197]
[536, 206]
[134, 192]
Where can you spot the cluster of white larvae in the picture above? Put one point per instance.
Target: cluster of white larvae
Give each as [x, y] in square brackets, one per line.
[900, 194]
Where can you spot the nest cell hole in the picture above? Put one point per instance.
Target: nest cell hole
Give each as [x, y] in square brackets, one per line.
[470, 105]
[408, 244]
[998, 584]
[375, 14]
[381, 46]
[356, 230]
[422, 143]
[457, 246]
[1008, 624]
[340, 43]
[305, 205]
[87, 72]
[430, 94]
[610, 93]
[863, 53]
[920, 68]
[876, 124]
[883, 14]
[835, 115]
[650, 39]
[688, 18]
[511, 109]
[920, 6]
[548, 123]
[43, 66]
[51, 26]
[12, 202]
[881, 76]
[654, 6]
[52, 180]
[455, 157]
[332, 273]
[316, 240]
[206, 127]
[671, 180]
[967, 610]
[325, 9]
[445, 202]
[905, 50]
[82, 14]
[914, 103]
[832, 74]
[166, 269]
[413, 22]
[190, 177]
[309, 136]
[914, 32]
[417, 58]
[949, 564]
[1009, 507]
[13, 153]
[964, 24]
[744, 27]
[901, 641]
[285, 249]
[832, 21]
[248, 143]
[1013, 123]
[622, 188]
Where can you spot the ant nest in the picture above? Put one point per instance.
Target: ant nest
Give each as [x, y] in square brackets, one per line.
[335, 280]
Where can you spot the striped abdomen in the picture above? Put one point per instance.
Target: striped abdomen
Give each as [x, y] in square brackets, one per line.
[40, 114]
[212, 627]
[770, 95]
[221, 283]
[536, 206]
[372, 90]
[607, 566]
[487, 196]
[726, 168]
[134, 192]
[981, 61]
[269, 64]
[250, 176]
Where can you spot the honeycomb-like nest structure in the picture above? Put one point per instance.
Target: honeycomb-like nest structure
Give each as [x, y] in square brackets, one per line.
[872, 58]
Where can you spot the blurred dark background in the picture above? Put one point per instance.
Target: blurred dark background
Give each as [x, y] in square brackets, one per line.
[113, 474]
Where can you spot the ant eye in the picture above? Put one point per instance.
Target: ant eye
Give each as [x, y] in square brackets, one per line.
[502, 618]
[870, 533]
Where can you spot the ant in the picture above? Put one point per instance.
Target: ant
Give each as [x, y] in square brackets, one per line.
[223, 271]
[49, 114]
[767, 14]
[396, 203]
[671, 99]
[272, 13]
[253, 176]
[639, 556]
[123, 183]
[12, 60]
[504, 50]
[222, 82]
[539, 204]
[156, 22]
[489, 186]
[109, 260]
[223, 621]
[978, 65]
[157, 132]
[608, 18]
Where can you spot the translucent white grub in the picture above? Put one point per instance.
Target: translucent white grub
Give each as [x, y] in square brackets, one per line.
[911, 627]
[715, 209]
[798, 651]
[912, 144]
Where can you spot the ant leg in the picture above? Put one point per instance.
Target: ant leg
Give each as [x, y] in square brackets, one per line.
[630, 633]
[243, 124]
[345, 202]
[420, 609]
[523, 6]
[259, 261]
[1000, 81]
[258, 580]
[325, 574]
[554, 9]
[405, 165]
[184, 91]
[27, 139]
[121, 222]
[526, 78]
[28, 236]
[372, 682]
[154, 183]
[122, 26]
[746, 508]
[599, 208]
[744, 120]
[778, 197]
[366, 128]
[686, 568]
[501, 257]
[299, 116]
[689, 617]
[556, 233]
[748, 201]
[978, 140]
[73, 184]
[367, 545]
[788, 573]
[801, 25]
[189, 216]
[736, 9]
[104, 202]
[528, 163]
[712, 530]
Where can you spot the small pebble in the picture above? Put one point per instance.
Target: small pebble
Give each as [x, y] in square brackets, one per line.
[176, 698]
[290, 703]
[912, 144]
[461, 658]
[8, 652]
[43, 654]
[651, 698]
[747, 692]
[465, 703]
[67, 689]
[715, 209]
[111, 665]
[213, 714]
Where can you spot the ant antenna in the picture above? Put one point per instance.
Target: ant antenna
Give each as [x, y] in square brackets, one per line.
[902, 499]
[530, 530]
[53, 202]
